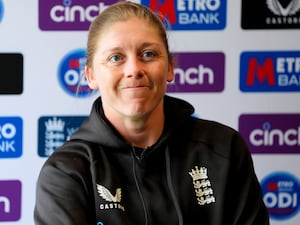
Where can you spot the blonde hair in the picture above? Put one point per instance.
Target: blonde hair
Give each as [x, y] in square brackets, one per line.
[122, 11]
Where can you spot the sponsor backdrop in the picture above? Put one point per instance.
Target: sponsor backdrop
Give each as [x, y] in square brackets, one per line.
[237, 62]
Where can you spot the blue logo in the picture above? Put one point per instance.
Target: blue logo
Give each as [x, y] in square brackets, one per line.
[281, 195]
[11, 133]
[54, 131]
[71, 74]
[1, 10]
[191, 15]
[274, 71]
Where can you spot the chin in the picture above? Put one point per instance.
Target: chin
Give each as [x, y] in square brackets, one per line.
[137, 111]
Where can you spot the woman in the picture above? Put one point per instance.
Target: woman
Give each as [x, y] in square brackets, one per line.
[140, 157]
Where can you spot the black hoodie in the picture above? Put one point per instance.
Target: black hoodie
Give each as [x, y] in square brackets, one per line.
[199, 172]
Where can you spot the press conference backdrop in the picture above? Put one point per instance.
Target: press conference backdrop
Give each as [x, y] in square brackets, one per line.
[237, 62]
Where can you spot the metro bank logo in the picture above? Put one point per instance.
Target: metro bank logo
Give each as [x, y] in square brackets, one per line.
[198, 72]
[274, 71]
[191, 14]
[70, 14]
[271, 133]
[11, 133]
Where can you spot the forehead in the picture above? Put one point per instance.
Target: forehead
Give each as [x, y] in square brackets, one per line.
[132, 30]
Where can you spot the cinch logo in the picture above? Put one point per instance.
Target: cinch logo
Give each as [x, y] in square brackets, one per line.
[71, 74]
[270, 71]
[281, 195]
[270, 14]
[198, 72]
[69, 14]
[10, 200]
[1, 10]
[11, 133]
[53, 131]
[191, 15]
[271, 133]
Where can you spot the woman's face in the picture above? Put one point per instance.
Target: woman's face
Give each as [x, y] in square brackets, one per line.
[130, 68]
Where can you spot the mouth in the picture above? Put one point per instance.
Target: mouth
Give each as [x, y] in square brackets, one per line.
[136, 89]
[135, 86]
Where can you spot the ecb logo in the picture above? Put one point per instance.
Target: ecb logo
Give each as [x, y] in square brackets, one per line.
[71, 74]
[11, 132]
[54, 131]
[281, 195]
[192, 14]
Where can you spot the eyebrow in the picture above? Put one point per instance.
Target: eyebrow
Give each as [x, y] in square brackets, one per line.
[144, 45]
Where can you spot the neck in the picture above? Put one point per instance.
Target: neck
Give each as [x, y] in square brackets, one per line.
[143, 131]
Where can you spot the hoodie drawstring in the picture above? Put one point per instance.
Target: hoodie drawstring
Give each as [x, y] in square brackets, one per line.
[171, 187]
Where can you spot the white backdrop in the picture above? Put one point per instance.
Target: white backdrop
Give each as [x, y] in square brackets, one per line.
[42, 94]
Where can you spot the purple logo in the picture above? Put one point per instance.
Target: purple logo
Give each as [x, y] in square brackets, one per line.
[10, 200]
[69, 14]
[271, 133]
[198, 72]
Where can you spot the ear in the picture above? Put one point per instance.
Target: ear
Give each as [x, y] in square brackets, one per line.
[170, 75]
[92, 82]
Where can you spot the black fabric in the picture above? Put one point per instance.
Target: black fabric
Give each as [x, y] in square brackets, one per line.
[98, 177]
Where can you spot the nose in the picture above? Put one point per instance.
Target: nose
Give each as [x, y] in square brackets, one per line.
[133, 67]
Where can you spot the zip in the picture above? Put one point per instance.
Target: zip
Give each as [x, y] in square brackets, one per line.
[171, 187]
[138, 186]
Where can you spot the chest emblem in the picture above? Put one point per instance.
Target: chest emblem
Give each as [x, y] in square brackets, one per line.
[113, 201]
[202, 186]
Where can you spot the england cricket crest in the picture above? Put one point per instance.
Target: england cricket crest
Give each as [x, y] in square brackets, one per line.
[202, 186]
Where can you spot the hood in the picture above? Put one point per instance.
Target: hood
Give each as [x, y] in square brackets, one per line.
[97, 129]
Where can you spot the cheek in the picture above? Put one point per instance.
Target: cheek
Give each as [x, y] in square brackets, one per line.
[161, 73]
[99, 74]
[107, 78]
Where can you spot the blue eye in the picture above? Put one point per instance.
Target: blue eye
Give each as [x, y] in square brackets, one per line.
[116, 58]
[148, 54]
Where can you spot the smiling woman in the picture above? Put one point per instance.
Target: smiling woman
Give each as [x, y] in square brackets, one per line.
[141, 157]
[130, 66]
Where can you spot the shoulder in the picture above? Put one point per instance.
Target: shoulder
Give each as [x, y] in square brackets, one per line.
[222, 138]
[204, 129]
[72, 157]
